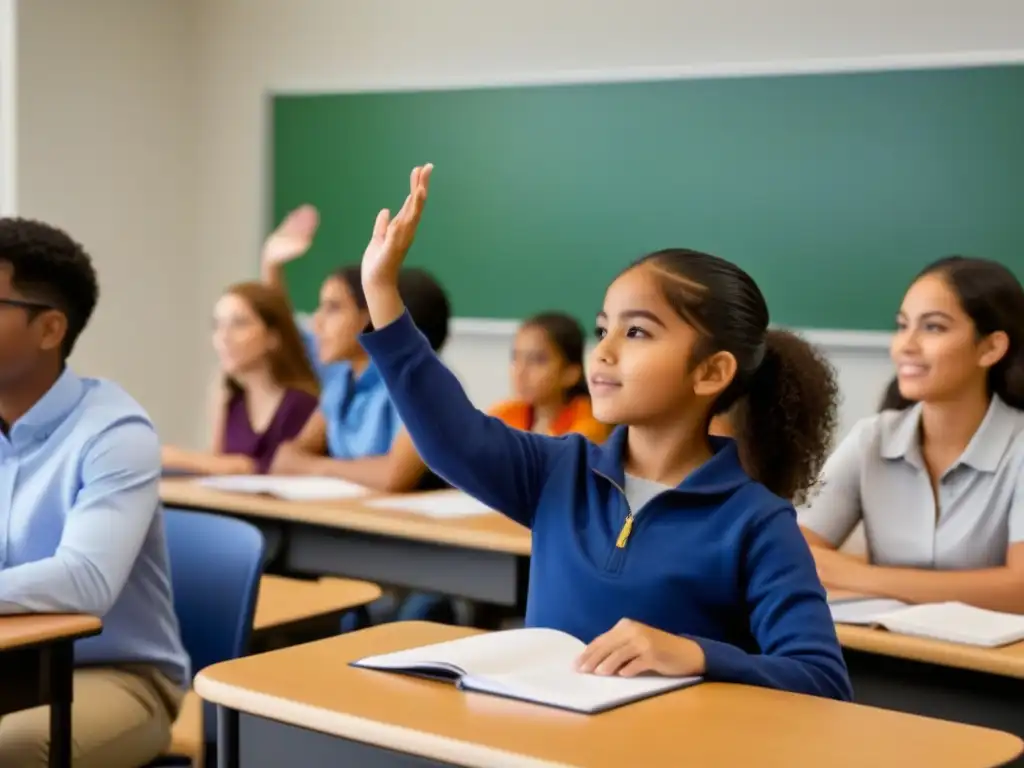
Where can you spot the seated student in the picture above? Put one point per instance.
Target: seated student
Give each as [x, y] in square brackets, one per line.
[663, 549]
[269, 390]
[356, 435]
[549, 382]
[83, 530]
[938, 476]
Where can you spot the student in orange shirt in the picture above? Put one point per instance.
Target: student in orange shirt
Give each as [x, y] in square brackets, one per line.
[551, 396]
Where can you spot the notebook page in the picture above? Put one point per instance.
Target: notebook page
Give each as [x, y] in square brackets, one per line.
[957, 623]
[863, 612]
[437, 504]
[560, 685]
[290, 488]
[487, 654]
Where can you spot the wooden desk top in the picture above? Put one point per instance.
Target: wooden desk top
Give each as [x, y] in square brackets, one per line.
[1007, 661]
[285, 601]
[312, 686]
[25, 630]
[490, 532]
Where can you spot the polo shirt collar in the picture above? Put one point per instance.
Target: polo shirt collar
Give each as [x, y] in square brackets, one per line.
[901, 439]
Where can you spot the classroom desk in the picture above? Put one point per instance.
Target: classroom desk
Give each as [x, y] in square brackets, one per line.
[287, 603]
[306, 700]
[37, 668]
[967, 684]
[483, 558]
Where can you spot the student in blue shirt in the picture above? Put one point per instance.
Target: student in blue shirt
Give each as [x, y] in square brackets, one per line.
[357, 435]
[80, 524]
[665, 549]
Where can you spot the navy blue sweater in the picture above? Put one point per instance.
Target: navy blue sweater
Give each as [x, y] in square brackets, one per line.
[719, 559]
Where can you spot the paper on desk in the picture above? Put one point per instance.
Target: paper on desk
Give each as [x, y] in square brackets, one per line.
[289, 488]
[439, 504]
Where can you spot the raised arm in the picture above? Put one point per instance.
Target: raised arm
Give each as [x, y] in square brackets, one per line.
[292, 238]
[103, 533]
[502, 467]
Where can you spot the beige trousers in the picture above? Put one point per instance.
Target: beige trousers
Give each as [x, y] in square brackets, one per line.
[121, 718]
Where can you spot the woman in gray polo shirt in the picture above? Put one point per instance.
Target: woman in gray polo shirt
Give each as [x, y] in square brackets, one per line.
[936, 477]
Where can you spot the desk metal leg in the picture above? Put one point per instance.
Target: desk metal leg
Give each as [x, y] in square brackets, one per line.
[59, 672]
[227, 738]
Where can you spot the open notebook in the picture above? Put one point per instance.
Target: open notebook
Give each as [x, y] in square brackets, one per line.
[290, 488]
[952, 622]
[438, 504]
[533, 665]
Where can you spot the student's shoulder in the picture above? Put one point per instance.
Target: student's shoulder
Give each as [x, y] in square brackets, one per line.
[107, 404]
[509, 411]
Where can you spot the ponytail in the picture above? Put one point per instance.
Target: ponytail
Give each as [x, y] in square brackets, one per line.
[1006, 378]
[785, 422]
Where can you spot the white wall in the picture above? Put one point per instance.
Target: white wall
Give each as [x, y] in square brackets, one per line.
[250, 46]
[141, 128]
[107, 148]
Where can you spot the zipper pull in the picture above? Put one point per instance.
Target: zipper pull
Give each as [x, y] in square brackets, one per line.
[627, 528]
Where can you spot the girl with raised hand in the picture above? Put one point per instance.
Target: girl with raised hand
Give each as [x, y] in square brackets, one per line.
[665, 549]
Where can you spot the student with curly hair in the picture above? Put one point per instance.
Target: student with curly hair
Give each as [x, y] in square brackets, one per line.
[81, 529]
[938, 476]
[666, 550]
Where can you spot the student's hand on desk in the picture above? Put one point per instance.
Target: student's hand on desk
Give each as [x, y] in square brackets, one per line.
[392, 237]
[293, 236]
[631, 648]
[289, 459]
[838, 570]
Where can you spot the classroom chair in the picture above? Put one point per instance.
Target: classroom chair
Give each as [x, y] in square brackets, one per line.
[216, 563]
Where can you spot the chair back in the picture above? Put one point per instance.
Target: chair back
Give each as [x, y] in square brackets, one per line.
[216, 564]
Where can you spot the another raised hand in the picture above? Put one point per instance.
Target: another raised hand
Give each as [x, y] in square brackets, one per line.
[293, 236]
[388, 246]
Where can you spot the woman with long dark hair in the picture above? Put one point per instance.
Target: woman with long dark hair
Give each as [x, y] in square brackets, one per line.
[936, 476]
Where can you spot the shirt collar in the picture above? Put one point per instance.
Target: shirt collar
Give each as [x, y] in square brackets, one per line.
[52, 408]
[901, 440]
[722, 473]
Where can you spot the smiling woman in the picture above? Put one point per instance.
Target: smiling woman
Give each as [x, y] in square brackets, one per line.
[937, 475]
[269, 389]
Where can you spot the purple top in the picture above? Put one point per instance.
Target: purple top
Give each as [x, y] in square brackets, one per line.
[289, 419]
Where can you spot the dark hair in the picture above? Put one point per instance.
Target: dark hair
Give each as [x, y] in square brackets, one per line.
[783, 399]
[567, 336]
[49, 267]
[427, 303]
[351, 276]
[993, 298]
[421, 293]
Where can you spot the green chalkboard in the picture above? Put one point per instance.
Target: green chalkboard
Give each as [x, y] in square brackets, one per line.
[831, 190]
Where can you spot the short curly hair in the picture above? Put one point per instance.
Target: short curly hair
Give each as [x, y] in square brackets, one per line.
[50, 267]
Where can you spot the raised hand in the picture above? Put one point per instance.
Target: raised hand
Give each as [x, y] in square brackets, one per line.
[392, 237]
[293, 236]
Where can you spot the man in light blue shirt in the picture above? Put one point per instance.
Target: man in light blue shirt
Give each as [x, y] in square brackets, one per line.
[80, 524]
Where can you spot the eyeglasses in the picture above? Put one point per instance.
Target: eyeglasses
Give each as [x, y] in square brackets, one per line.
[35, 306]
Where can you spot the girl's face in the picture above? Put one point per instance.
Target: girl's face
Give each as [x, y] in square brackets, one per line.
[937, 352]
[540, 374]
[241, 339]
[640, 370]
[338, 321]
